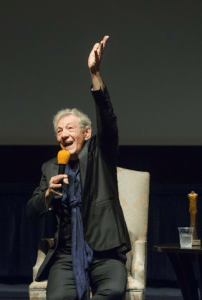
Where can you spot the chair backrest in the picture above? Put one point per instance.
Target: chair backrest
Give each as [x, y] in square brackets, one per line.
[134, 197]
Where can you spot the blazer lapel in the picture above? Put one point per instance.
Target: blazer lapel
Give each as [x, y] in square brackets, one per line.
[54, 169]
[83, 161]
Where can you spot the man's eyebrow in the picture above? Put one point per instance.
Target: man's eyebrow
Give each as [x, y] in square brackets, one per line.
[65, 125]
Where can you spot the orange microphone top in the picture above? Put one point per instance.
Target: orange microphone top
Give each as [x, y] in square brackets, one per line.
[63, 157]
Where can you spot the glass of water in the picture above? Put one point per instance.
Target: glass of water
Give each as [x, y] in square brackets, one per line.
[186, 237]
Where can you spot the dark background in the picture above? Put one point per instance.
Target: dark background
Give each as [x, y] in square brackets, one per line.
[152, 68]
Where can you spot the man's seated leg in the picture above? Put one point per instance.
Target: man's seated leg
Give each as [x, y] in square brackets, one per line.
[61, 283]
[108, 279]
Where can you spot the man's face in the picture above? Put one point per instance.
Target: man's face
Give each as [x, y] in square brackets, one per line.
[70, 136]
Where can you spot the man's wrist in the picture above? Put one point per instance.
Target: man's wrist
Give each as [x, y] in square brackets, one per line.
[96, 81]
[48, 197]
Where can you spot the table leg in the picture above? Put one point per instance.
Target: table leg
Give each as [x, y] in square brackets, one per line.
[182, 264]
[199, 266]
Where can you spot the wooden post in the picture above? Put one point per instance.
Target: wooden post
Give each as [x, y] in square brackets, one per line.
[193, 210]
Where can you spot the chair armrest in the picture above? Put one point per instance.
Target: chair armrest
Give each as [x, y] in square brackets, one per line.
[138, 268]
[43, 247]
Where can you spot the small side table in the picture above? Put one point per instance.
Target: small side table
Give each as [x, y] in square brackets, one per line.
[182, 262]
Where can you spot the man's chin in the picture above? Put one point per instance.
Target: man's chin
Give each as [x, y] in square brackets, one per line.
[68, 148]
[73, 155]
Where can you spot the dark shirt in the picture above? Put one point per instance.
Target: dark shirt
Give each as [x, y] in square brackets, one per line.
[65, 221]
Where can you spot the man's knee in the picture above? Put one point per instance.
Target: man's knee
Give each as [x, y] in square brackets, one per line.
[109, 295]
[112, 277]
[112, 292]
[59, 295]
[115, 293]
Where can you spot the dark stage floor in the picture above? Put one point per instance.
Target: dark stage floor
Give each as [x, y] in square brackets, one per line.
[20, 291]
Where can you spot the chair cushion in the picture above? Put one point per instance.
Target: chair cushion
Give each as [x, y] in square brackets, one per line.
[38, 285]
[133, 284]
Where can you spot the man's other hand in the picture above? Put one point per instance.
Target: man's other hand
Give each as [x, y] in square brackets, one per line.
[54, 186]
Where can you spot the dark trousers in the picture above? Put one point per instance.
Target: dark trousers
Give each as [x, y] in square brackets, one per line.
[107, 276]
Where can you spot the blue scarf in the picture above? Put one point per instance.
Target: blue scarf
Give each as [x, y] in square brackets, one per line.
[82, 254]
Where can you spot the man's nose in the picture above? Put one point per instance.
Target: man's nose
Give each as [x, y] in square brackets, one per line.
[65, 133]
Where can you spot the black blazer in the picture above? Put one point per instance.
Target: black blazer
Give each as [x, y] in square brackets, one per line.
[103, 220]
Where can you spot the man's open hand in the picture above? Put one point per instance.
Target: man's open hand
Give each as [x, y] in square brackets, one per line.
[96, 54]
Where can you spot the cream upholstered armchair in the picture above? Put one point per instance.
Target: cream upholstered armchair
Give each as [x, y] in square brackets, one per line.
[134, 198]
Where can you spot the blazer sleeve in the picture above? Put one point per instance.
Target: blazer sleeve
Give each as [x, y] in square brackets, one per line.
[37, 205]
[107, 130]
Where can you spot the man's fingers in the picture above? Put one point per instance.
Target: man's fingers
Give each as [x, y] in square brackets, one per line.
[103, 45]
[65, 180]
[55, 186]
[96, 56]
[96, 46]
[58, 178]
[55, 183]
[55, 191]
[101, 48]
[104, 41]
[58, 193]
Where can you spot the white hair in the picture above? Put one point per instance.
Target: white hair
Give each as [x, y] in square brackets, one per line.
[83, 119]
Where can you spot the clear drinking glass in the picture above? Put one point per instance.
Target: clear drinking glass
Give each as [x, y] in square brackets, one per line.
[186, 237]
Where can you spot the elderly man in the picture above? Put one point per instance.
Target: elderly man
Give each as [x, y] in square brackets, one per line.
[92, 239]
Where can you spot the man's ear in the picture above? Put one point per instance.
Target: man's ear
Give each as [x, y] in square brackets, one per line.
[88, 133]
